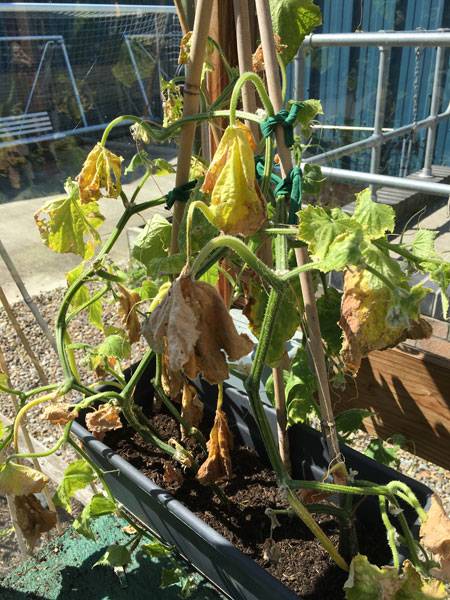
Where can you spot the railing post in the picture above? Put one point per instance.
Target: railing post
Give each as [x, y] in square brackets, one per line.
[380, 106]
[436, 98]
[73, 81]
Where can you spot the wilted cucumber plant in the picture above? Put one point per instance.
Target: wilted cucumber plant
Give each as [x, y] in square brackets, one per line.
[238, 211]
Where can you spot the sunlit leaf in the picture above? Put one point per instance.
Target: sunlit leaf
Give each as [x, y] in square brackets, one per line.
[67, 225]
[97, 506]
[293, 20]
[83, 295]
[115, 556]
[18, 479]
[376, 218]
[349, 421]
[309, 109]
[156, 549]
[153, 242]
[76, 477]
[100, 175]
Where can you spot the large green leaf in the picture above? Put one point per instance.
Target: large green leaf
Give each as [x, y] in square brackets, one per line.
[115, 556]
[319, 228]
[67, 225]
[375, 218]
[329, 309]
[76, 477]
[115, 345]
[293, 20]
[98, 506]
[349, 421]
[154, 241]
[344, 251]
[423, 243]
[156, 549]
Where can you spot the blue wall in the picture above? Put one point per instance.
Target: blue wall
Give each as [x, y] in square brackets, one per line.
[345, 79]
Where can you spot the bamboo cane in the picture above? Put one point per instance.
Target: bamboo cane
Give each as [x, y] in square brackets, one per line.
[181, 16]
[191, 105]
[312, 319]
[244, 49]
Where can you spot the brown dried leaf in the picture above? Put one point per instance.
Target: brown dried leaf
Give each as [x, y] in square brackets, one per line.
[106, 418]
[218, 464]
[128, 301]
[435, 536]
[171, 475]
[59, 414]
[33, 519]
[191, 407]
[101, 171]
[199, 330]
[171, 381]
[258, 55]
[363, 321]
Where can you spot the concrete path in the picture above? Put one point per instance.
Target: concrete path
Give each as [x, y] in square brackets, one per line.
[44, 270]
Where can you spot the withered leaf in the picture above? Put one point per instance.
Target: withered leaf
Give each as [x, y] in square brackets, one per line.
[191, 407]
[59, 414]
[33, 518]
[172, 476]
[363, 320]
[128, 302]
[199, 330]
[101, 171]
[171, 381]
[106, 418]
[435, 536]
[218, 464]
[18, 479]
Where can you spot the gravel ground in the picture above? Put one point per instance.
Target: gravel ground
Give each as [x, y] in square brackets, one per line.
[23, 376]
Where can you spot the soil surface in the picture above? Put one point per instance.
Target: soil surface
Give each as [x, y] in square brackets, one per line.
[292, 555]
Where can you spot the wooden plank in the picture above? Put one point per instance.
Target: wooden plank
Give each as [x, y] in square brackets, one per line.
[410, 394]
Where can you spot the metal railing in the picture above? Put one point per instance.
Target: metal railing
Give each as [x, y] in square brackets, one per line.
[384, 41]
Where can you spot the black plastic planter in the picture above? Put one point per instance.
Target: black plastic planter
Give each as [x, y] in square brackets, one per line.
[218, 560]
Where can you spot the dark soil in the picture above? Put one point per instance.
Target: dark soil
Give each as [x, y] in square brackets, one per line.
[300, 562]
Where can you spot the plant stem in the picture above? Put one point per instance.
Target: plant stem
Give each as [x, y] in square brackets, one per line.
[259, 85]
[390, 530]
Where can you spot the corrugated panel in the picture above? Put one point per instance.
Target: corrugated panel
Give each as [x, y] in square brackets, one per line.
[345, 79]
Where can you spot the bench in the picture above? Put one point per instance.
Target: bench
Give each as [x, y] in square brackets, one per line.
[19, 126]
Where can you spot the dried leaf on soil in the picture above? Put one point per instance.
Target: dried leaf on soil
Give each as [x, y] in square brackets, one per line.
[218, 464]
[128, 301]
[435, 536]
[20, 480]
[199, 331]
[33, 518]
[172, 476]
[59, 414]
[363, 320]
[236, 202]
[106, 418]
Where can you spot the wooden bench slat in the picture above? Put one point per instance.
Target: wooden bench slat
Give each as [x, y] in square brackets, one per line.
[24, 131]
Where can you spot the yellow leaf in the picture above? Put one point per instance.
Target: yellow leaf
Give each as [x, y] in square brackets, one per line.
[33, 518]
[435, 536]
[100, 175]
[128, 301]
[236, 202]
[20, 480]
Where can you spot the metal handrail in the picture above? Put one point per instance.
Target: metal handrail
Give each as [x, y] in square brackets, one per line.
[384, 41]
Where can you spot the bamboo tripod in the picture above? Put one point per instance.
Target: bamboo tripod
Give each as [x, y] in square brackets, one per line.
[199, 38]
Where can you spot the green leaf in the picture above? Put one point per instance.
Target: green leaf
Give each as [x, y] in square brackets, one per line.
[68, 226]
[383, 263]
[329, 309]
[2, 429]
[202, 231]
[115, 556]
[159, 268]
[423, 243]
[139, 159]
[212, 275]
[382, 453]
[309, 109]
[350, 420]
[375, 218]
[154, 241]
[344, 251]
[116, 346]
[76, 477]
[171, 576]
[156, 549]
[312, 179]
[319, 228]
[439, 273]
[83, 295]
[98, 506]
[162, 167]
[293, 20]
